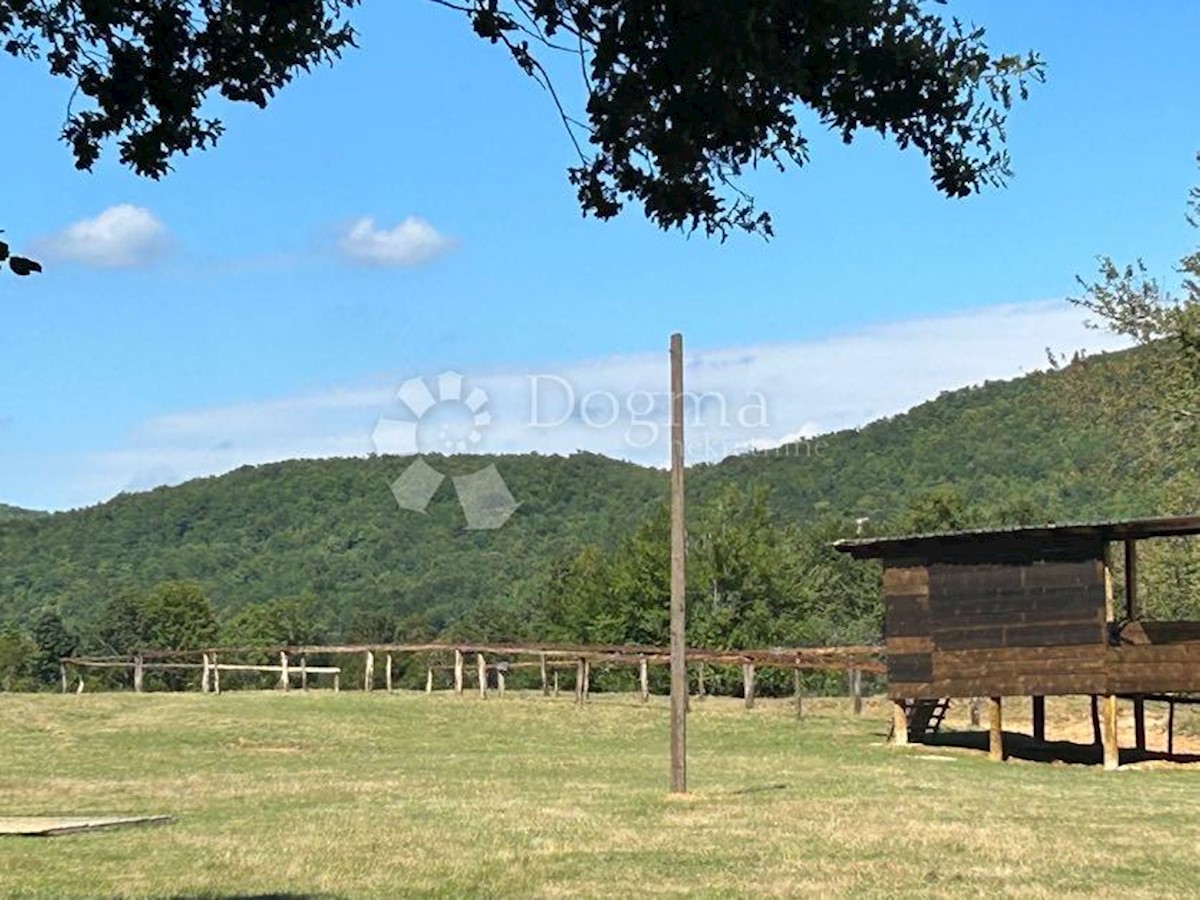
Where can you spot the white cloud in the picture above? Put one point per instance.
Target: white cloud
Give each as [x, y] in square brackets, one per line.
[121, 237]
[411, 243]
[750, 398]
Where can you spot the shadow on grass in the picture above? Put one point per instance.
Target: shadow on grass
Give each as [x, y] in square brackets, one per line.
[1022, 746]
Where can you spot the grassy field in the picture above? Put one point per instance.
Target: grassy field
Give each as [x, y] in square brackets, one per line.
[353, 794]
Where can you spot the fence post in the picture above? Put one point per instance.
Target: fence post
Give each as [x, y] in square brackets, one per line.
[216, 675]
[369, 672]
[798, 678]
[389, 673]
[500, 680]
[556, 683]
[337, 682]
[62, 676]
[748, 684]
[458, 672]
[138, 673]
[481, 663]
[429, 680]
[303, 672]
[285, 676]
[545, 682]
[205, 674]
[644, 678]
[587, 679]
[856, 691]
[580, 679]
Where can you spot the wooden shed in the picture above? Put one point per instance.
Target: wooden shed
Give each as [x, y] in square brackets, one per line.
[1026, 612]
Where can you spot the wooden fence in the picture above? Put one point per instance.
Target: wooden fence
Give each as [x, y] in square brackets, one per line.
[548, 659]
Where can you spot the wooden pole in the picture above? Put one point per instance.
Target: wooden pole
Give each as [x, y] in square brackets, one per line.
[481, 665]
[388, 676]
[62, 676]
[303, 672]
[856, 691]
[429, 680]
[284, 676]
[580, 678]
[679, 687]
[748, 685]
[1131, 571]
[899, 723]
[1170, 723]
[337, 682]
[556, 683]
[458, 672]
[1108, 731]
[995, 730]
[216, 675]
[500, 682]
[644, 678]
[1139, 723]
[701, 690]
[205, 674]
[587, 679]
[545, 680]
[798, 678]
[369, 672]
[1039, 719]
[139, 673]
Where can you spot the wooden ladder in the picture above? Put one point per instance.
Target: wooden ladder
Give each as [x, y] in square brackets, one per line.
[925, 717]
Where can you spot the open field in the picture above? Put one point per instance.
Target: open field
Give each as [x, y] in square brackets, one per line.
[381, 794]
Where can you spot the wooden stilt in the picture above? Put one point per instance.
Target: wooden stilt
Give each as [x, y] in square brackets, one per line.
[458, 672]
[1039, 719]
[995, 730]
[139, 673]
[748, 685]
[388, 675]
[481, 665]
[285, 677]
[899, 723]
[369, 672]
[1108, 731]
[856, 704]
[1139, 719]
[644, 678]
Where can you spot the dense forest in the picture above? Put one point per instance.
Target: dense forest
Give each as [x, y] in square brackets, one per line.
[317, 549]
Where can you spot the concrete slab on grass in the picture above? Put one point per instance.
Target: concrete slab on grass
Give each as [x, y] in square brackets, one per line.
[52, 825]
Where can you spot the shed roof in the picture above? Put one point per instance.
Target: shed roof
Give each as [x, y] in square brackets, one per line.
[1030, 535]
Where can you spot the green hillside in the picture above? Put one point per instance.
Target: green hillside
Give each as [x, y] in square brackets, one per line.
[1017, 451]
[15, 512]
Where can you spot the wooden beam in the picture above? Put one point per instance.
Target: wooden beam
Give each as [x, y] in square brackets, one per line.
[995, 730]
[555, 683]
[1139, 723]
[1109, 612]
[1039, 719]
[1108, 731]
[679, 686]
[900, 723]
[1170, 723]
[1131, 578]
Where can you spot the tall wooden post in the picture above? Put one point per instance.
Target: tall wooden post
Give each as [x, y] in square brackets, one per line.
[587, 679]
[1131, 575]
[139, 673]
[856, 691]
[481, 665]
[899, 723]
[1096, 736]
[644, 678]
[62, 676]
[1139, 722]
[458, 672]
[429, 680]
[545, 679]
[216, 675]
[995, 730]
[798, 678]
[500, 679]
[580, 679]
[701, 690]
[1108, 732]
[285, 677]
[748, 685]
[1039, 719]
[556, 684]
[369, 672]
[388, 676]
[303, 672]
[205, 674]
[679, 686]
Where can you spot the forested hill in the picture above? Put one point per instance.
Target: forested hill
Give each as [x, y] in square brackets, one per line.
[1016, 451]
[16, 512]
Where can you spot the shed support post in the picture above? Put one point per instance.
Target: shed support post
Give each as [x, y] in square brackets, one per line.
[644, 678]
[1108, 730]
[1039, 719]
[1096, 739]
[139, 673]
[748, 684]
[900, 723]
[856, 691]
[369, 672]
[1131, 574]
[458, 672]
[1139, 723]
[545, 680]
[481, 665]
[1170, 725]
[995, 730]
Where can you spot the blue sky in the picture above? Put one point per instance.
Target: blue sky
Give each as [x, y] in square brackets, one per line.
[242, 297]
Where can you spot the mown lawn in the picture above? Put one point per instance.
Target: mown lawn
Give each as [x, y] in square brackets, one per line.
[384, 795]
